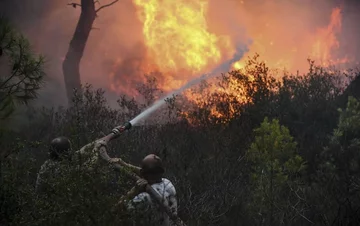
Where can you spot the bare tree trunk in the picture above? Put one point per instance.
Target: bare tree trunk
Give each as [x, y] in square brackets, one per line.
[71, 64]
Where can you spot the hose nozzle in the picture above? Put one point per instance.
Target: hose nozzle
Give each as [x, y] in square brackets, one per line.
[118, 130]
[127, 125]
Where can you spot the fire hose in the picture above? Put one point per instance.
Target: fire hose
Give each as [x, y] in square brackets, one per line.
[115, 133]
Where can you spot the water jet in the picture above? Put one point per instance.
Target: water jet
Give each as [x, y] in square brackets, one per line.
[226, 66]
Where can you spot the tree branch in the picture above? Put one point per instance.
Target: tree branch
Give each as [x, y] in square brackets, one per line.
[73, 4]
[14, 69]
[107, 5]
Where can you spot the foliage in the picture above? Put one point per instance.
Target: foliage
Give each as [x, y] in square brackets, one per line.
[275, 179]
[22, 71]
[307, 105]
[340, 170]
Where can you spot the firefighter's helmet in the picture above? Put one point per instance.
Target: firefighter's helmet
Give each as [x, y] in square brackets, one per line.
[59, 147]
[152, 164]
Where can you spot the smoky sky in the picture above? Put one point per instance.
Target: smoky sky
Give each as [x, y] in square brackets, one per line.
[50, 25]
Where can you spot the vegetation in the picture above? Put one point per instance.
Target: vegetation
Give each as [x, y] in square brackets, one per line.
[284, 154]
[22, 71]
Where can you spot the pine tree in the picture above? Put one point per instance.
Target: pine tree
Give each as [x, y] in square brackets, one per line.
[339, 171]
[21, 71]
[277, 197]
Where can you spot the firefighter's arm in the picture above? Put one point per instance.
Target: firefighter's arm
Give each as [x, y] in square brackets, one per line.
[39, 180]
[93, 146]
[126, 165]
[88, 156]
[103, 144]
[86, 147]
[128, 196]
[136, 190]
[173, 204]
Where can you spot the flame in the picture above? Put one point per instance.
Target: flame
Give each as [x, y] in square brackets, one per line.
[326, 41]
[279, 52]
[178, 38]
[181, 44]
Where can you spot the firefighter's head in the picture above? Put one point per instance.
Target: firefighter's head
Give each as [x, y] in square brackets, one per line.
[152, 168]
[60, 148]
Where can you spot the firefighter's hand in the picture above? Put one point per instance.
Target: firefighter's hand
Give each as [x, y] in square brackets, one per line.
[118, 160]
[141, 185]
[115, 160]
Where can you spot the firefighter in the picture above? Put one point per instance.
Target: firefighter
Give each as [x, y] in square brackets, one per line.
[59, 151]
[139, 201]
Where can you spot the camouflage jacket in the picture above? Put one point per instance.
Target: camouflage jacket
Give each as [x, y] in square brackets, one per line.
[143, 207]
[49, 170]
[87, 158]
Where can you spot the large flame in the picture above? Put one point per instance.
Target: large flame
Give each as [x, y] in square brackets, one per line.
[178, 38]
[181, 43]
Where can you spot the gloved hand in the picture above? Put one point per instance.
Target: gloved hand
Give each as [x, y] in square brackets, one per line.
[141, 185]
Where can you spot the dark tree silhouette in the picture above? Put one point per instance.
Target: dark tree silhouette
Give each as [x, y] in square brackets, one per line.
[71, 64]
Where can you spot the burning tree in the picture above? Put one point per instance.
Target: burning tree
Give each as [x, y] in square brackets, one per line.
[71, 64]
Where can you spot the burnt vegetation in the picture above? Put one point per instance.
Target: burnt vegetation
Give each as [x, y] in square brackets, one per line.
[287, 154]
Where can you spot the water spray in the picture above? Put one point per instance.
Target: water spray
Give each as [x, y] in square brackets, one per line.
[226, 66]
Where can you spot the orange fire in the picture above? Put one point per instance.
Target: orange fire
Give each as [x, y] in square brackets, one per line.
[282, 52]
[326, 41]
[181, 43]
[178, 39]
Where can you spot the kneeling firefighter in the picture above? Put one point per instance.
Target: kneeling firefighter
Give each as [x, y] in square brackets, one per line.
[139, 201]
[153, 193]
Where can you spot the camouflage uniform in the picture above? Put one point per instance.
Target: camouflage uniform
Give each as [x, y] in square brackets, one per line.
[59, 152]
[143, 207]
[88, 162]
[88, 156]
[50, 168]
[85, 158]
